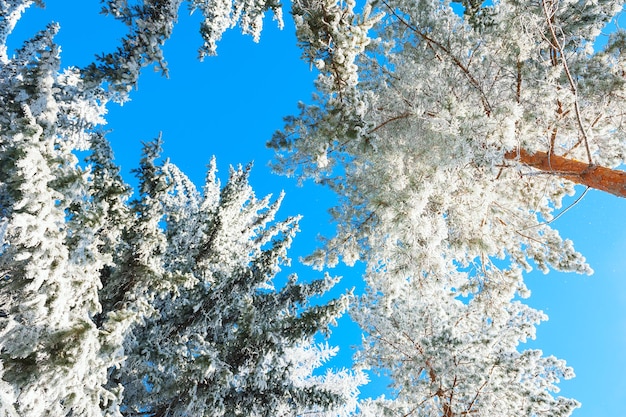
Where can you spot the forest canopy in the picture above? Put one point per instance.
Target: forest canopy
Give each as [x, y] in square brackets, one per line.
[451, 135]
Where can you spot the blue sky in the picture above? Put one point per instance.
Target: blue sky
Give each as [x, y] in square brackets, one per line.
[230, 105]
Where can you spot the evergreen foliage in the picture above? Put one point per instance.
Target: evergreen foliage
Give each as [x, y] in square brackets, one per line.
[219, 339]
[50, 348]
[424, 123]
[161, 305]
[427, 154]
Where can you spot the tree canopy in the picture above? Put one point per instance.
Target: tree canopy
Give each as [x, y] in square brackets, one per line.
[450, 132]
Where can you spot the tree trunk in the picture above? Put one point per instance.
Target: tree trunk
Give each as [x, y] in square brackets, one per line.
[593, 176]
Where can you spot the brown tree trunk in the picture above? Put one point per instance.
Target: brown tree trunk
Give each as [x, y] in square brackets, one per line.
[593, 176]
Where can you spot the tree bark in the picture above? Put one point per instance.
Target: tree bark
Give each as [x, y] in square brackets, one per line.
[593, 176]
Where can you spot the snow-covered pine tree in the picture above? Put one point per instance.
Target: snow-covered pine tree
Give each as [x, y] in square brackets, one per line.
[433, 154]
[50, 350]
[221, 340]
[86, 277]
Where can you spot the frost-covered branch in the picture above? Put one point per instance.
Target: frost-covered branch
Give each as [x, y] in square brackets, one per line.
[150, 24]
[222, 338]
[10, 13]
[332, 36]
[561, 53]
[440, 46]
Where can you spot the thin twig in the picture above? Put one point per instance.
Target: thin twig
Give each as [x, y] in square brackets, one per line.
[401, 116]
[565, 210]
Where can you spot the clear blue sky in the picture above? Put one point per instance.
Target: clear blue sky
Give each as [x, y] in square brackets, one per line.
[230, 105]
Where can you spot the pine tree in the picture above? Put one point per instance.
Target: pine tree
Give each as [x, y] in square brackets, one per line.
[221, 338]
[432, 148]
[451, 137]
[50, 347]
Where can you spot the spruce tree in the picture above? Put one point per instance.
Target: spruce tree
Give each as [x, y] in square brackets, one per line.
[221, 338]
[49, 345]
